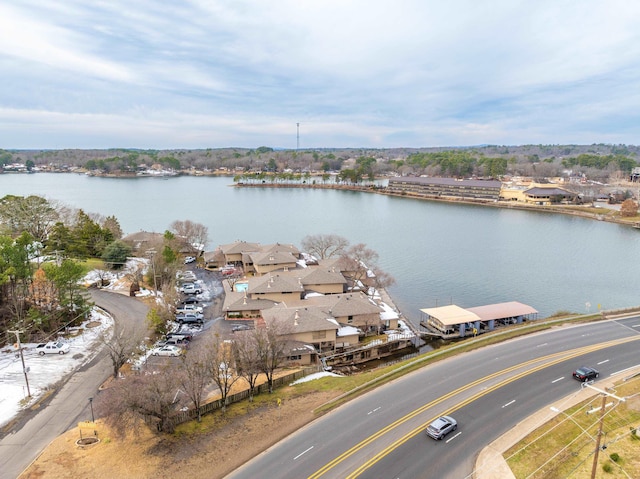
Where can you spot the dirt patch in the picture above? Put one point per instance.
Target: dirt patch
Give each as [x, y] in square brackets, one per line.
[206, 454]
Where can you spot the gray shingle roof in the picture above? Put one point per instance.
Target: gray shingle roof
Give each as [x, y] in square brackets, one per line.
[274, 283]
[302, 320]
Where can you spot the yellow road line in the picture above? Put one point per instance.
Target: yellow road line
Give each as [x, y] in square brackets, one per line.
[555, 357]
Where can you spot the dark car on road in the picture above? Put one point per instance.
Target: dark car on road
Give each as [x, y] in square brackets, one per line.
[585, 374]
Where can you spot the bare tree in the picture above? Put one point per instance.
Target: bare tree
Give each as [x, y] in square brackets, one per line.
[140, 397]
[324, 246]
[233, 278]
[220, 361]
[247, 358]
[120, 345]
[359, 265]
[382, 279]
[271, 344]
[193, 233]
[103, 277]
[194, 376]
[357, 262]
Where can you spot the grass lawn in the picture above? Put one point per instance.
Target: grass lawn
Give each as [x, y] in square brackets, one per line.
[564, 447]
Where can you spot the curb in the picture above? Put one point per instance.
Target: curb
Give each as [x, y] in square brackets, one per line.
[491, 463]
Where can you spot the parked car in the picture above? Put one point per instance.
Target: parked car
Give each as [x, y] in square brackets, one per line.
[190, 288]
[441, 427]
[585, 373]
[227, 271]
[190, 300]
[241, 327]
[189, 259]
[189, 317]
[52, 347]
[181, 336]
[189, 276]
[176, 341]
[189, 308]
[168, 350]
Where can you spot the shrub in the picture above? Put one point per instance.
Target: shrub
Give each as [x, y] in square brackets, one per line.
[615, 457]
[607, 467]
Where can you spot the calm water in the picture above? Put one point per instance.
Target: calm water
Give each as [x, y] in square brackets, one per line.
[439, 253]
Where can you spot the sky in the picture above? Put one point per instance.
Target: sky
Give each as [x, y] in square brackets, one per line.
[162, 74]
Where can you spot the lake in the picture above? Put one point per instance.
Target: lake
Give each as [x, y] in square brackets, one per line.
[439, 253]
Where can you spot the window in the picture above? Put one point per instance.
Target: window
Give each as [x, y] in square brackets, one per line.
[350, 319]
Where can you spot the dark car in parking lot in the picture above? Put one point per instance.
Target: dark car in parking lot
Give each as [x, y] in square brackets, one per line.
[180, 336]
[190, 300]
[189, 318]
[585, 373]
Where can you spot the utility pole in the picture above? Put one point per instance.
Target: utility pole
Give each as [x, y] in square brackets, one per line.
[297, 137]
[602, 408]
[594, 468]
[24, 368]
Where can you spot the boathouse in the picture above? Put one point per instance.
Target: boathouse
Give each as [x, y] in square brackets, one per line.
[446, 188]
[449, 322]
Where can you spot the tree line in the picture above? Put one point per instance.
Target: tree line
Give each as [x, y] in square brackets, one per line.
[158, 396]
[596, 161]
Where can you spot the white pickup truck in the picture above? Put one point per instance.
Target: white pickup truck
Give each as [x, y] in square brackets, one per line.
[53, 347]
[189, 308]
[190, 288]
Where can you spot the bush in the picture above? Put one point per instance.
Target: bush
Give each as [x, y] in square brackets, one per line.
[115, 254]
[607, 467]
[615, 457]
[629, 208]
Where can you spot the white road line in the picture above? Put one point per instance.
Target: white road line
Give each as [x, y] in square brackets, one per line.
[303, 452]
[452, 438]
[623, 370]
[602, 362]
[636, 326]
[540, 345]
[556, 380]
[376, 409]
[509, 403]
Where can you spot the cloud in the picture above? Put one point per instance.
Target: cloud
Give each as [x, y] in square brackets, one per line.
[354, 73]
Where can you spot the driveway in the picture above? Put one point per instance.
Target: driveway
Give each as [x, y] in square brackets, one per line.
[69, 403]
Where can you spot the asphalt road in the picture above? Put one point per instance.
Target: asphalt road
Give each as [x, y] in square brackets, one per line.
[70, 403]
[488, 391]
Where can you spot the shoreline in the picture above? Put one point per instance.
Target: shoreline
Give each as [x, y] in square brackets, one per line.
[606, 214]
